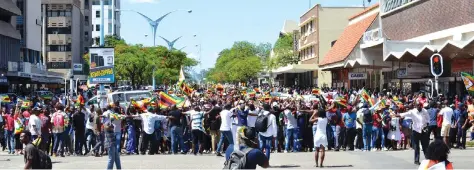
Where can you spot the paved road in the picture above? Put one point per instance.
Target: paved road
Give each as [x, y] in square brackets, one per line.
[462, 159]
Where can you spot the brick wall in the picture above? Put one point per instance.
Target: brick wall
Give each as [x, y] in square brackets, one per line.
[427, 16]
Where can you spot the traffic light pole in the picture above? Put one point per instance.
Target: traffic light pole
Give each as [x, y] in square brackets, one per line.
[436, 64]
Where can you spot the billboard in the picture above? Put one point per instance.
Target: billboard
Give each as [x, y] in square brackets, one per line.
[102, 65]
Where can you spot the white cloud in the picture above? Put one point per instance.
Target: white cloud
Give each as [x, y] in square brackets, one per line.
[194, 56]
[144, 1]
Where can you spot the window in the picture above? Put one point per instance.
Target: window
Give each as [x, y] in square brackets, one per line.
[97, 14]
[86, 20]
[86, 35]
[68, 14]
[97, 27]
[110, 28]
[110, 14]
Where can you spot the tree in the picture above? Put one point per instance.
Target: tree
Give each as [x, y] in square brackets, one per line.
[238, 63]
[284, 53]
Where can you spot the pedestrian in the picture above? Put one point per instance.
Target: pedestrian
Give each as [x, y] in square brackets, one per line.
[34, 124]
[98, 131]
[79, 127]
[176, 129]
[31, 156]
[110, 144]
[320, 138]
[350, 124]
[436, 157]
[225, 128]
[19, 127]
[420, 118]
[266, 136]
[9, 132]
[248, 146]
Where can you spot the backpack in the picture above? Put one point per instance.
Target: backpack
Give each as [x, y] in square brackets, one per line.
[58, 120]
[261, 124]
[237, 160]
[45, 160]
[367, 116]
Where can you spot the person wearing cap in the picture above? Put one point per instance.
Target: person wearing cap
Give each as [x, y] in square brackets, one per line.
[247, 139]
[420, 118]
[35, 123]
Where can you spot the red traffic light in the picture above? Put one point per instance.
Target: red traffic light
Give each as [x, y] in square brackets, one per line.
[436, 63]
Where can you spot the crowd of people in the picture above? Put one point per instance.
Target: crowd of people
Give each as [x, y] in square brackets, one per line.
[219, 124]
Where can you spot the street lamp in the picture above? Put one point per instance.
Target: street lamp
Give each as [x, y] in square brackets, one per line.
[154, 23]
[170, 43]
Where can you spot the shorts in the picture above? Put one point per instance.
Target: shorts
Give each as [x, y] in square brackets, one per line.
[445, 129]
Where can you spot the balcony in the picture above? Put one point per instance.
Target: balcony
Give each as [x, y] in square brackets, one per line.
[59, 22]
[59, 56]
[371, 38]
[59, 39]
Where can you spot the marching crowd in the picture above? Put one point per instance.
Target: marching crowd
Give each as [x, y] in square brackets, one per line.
[215, 123]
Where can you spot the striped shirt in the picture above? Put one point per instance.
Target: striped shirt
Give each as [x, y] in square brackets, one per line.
[196, 119]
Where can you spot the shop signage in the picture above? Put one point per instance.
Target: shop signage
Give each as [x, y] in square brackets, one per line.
[77, 67]
[357, 76]
[402, 72]
[3, 80]
[102, 65]
[22, 74]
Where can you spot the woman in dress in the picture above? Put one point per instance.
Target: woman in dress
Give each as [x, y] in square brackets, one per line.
[320, 137]
[394, 134]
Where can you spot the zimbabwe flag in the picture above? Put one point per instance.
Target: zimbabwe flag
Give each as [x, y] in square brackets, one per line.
[26, 104]
[4, 99]
[341, 101]
[166, 100]
[185, 89]
[316, 91]
[366, 97]
[468, 81]
[80, 100]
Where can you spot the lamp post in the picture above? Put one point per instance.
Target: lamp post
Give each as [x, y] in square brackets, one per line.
[170, 43]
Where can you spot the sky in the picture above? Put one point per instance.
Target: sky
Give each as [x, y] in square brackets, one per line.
[217, 24]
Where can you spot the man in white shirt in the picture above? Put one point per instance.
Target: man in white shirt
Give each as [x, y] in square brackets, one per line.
[420, 118]
[266, 138]
[225, 129]
[34, 124]
[447, 114]
[148, 126]
[90, 136]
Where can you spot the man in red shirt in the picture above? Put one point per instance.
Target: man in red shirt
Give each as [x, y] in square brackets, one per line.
[377, 130]
[9, 127]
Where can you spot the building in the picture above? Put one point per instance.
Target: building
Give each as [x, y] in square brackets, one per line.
[9, 44]
[415, 30]
[318, 28]
[64, 35]
[86, 9]
[111, 20]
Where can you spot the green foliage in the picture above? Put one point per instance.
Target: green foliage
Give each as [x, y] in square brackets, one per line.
[136, 63]
[239, 63]
[283, 50]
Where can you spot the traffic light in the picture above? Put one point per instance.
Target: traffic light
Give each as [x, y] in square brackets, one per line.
[436, 65]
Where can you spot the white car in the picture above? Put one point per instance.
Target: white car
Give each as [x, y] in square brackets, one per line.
[123, 97]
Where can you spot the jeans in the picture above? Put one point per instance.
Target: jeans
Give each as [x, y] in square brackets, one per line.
[99, 145]
[359, 141]
[291, 133]
[461, 137]
[335, 135]
[148, 139]
[349, 141]
[266, 143]
[225, 135]
[90, 136]
[367, 133]
[131, 139]
[177, 136]
[417, 138]
[377, 133]
[118, 138]
[114, 157]
[10, 141]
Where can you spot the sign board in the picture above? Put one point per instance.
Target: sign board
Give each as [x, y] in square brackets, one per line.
[77, 67]
[102, 65]
[402, 72]
[357, 76]
[3, 80]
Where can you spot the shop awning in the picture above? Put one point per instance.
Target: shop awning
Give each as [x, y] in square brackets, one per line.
[296, 68]
[400, 50]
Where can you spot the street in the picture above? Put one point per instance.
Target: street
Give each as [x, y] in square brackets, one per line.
[461, 159]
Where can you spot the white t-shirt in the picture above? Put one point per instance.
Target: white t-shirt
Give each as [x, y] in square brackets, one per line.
[36, 121]
[226, 120]
[87, 112]
[447, 113]
[272, 125]
[420, 118]
[252, 119]
[148, 121]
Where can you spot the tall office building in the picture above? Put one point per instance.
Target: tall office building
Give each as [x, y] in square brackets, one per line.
[9, 36]
[29, 26]
[111, 19]
[64, 34]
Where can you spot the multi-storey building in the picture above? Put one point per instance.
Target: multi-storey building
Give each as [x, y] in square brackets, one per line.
[111, 19]
[86, 8]
[9, 43]
[64, 32]
[29, 26]
[318, 29]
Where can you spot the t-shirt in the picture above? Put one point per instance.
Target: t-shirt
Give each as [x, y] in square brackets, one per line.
[433, 112]
[226, 120]
[45, 124]
[376, 123]
[117, 122]
[149, 121]
[32, 153]
[177, 118]
[78, 119]
[36, 122]
[462, 117]
[57, 115]
[447, 113]
[292, 122]
[349, 120]
[215, 123]
[242, 117]
[196, 120]
[252, 119]
[254, 157]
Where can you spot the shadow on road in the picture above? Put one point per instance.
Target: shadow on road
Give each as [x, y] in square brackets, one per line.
[284, 166]
[338, 166]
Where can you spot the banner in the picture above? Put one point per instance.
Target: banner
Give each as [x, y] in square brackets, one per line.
[102, 65]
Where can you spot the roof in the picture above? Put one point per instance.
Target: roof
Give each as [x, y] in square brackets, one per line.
[347, 41]
[370, 8]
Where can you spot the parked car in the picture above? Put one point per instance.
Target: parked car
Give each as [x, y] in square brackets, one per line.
[123, 97]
